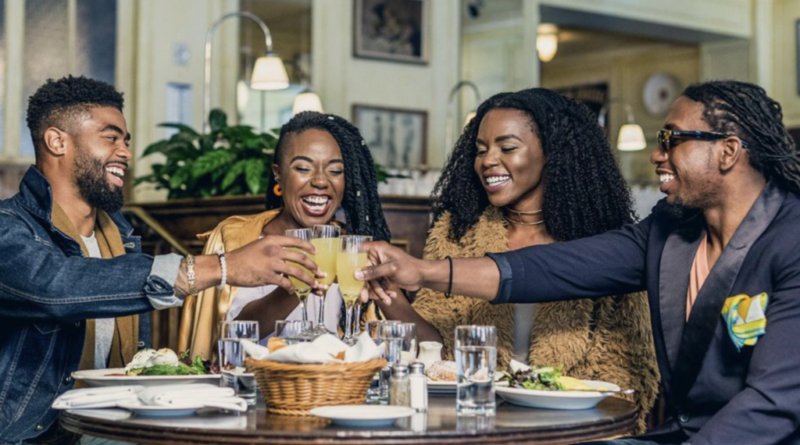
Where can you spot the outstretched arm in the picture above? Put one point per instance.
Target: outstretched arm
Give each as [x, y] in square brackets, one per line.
[611, 263]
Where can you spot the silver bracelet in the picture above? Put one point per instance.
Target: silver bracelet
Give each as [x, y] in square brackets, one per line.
[224, 266]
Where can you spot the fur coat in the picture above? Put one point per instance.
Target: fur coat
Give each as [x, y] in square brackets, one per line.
[607, 339]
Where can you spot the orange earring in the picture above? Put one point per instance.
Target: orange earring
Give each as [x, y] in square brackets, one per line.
[277, 190]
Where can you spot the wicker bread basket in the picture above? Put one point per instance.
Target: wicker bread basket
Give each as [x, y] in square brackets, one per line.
[293, 389]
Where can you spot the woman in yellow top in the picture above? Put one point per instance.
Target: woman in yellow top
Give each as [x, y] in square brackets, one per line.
[321, 164]
[534, 167]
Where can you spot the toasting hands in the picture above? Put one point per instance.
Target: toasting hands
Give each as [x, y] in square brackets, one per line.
[269, 261]
[389, 266]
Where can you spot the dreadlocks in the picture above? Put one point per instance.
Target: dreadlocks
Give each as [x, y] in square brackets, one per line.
[360, 203]
[585, 193]
[744, 109]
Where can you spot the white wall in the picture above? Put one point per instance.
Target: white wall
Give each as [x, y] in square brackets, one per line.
[343, 80]
[150, 31]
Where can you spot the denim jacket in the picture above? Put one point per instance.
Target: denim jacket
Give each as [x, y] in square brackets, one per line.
[47, 291]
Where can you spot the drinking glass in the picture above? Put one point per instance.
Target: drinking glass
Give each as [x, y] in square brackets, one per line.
[325, 239]
[476, 359]
[378, 391]
[231, 357]
[351, 257]
[301, 289]
[293, 331]
[401, 343]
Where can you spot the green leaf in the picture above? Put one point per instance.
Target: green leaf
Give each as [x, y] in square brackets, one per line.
[217, 120]
[181, 127]
[157, 147]
[253, 173]
[180, 177]
[233, 173]
[211, 161]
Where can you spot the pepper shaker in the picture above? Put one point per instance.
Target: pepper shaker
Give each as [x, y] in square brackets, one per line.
[399, 386]
[418, 384]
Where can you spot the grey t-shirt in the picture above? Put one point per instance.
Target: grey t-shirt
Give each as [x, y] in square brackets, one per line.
[104, 327]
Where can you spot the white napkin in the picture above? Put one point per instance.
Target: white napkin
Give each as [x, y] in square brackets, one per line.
[210, 396]
[321, 350]
[106, 397]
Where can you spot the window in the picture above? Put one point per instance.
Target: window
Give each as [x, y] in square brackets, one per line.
[50, 46]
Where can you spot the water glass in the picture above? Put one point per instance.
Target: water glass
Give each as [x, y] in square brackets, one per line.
[231, 357]
[401, 343]
[325, 239]
[476, 359]
[378, 392]
[293, 331]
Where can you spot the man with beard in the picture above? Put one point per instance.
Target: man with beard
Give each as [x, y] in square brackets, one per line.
[719, 257]
[72, 276]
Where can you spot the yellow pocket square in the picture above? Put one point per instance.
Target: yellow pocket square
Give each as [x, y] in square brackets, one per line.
[745, 319]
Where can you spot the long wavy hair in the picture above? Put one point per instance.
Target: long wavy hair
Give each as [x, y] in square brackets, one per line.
[585, 193]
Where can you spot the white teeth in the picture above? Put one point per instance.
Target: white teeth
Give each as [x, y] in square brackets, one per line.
[318, 200]
[116, 171]
[494, 180]
[666, 177]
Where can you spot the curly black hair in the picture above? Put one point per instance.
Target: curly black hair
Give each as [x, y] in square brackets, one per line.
[585, 193]
[361, 204]
[58, 102]
[744, 109]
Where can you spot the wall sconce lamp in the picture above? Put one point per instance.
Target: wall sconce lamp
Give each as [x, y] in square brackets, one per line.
[307, 100]
[631, 135]
[448, 139]
[268, 73]
[547, 41]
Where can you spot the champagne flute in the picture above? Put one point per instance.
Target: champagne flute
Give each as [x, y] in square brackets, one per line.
[351, 257]
[325, 239]
[300, 289]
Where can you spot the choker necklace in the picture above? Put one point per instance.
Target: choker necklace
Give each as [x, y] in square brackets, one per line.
[533, 212]
[521, 223]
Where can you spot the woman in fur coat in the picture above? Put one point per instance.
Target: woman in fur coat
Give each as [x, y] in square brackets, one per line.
[534, 167]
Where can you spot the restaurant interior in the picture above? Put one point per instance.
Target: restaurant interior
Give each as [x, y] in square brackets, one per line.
[407, 81]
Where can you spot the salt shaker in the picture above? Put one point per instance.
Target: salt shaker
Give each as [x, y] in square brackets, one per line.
[399, 386]
[418, 384]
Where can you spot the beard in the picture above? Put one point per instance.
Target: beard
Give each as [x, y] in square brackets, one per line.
[93, 186]
[676, 210]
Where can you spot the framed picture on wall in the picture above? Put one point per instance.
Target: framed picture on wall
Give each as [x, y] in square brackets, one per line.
[394, 30]
[797, 54]
[396, 137]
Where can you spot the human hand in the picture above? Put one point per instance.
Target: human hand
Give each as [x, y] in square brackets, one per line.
[389, 265]
[268, 261]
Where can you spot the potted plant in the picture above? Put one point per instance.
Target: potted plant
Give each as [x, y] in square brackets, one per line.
[227, 161]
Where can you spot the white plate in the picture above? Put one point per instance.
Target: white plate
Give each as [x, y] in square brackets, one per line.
[99, 377]
[568, 400]
[363, 416]
[161, 411]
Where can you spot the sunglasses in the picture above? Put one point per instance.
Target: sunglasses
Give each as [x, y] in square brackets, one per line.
[669, 138]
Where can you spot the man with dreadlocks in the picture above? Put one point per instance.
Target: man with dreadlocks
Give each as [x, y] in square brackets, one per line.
[719, 257]
[321, 163]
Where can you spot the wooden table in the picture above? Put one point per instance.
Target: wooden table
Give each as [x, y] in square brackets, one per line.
[511, 425]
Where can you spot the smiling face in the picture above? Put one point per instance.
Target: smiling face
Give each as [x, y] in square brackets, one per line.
[510, 160]
[311, 174]
[688, 172]
[100, 158]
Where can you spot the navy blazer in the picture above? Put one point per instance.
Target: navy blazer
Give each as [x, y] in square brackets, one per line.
[716, 393]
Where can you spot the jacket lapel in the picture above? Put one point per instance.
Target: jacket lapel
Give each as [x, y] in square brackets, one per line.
[705, 316]
[676, 262]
